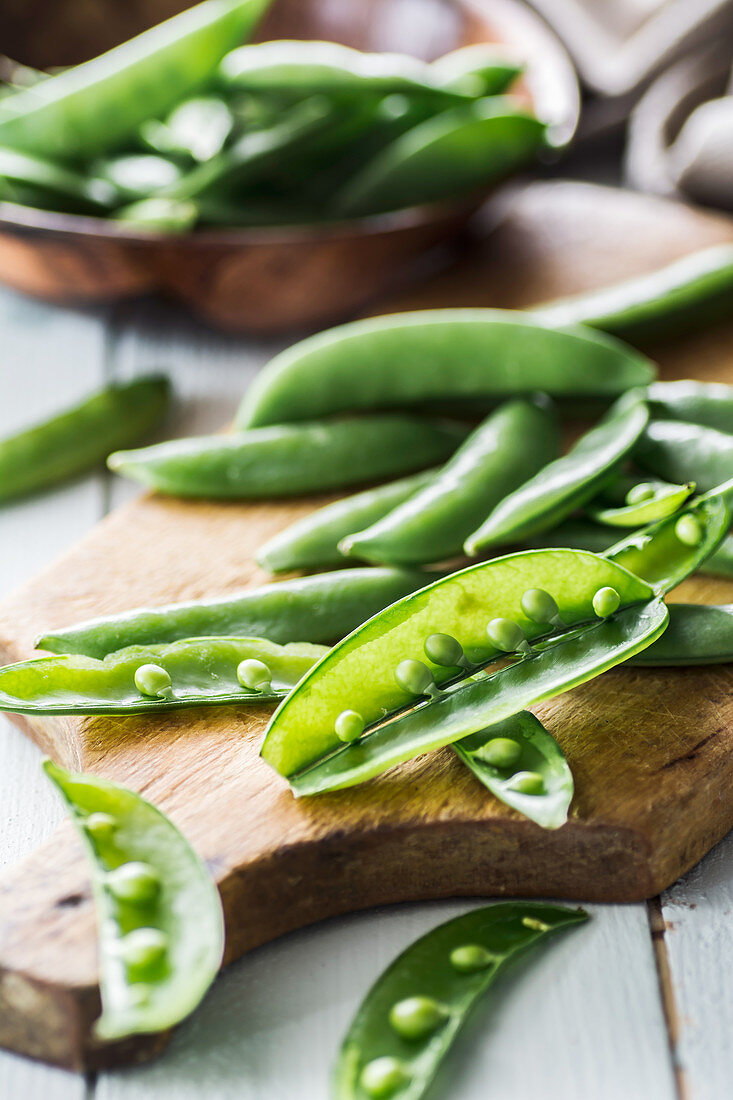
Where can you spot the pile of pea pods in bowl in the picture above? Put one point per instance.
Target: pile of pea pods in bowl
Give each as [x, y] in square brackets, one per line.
[186, 160]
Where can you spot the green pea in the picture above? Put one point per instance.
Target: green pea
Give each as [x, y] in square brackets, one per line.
[637, 494]
[507, 636]
[100, 826]
[382, 1077]
[444, 649]
[136, 883]
[349, 725]
[500, 752]
[415, 677]
[605, 602]
[254, 674]
[540, 607]
[470, 957]
[417, 1017]
[688, 530]
[527, 783]
[535, 924]
[154, 681]
[143, 949]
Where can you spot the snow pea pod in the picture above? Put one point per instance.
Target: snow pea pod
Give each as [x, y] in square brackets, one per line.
[159, 917]
[290, 459]
[684, 296]
[451, 154]
[568, 482]
[193, 672]
[158, 215]
[322, 608]
[56, 182]
[313, 541]
[196, 128]
[698, 634]
[686, 452]
[410, 358]
[507, 449]
[461, 605]
[707, 403]
[94, 107]
[79, 439]
[136, 175]
[523, 766]
[411, 1016]
[661, 500]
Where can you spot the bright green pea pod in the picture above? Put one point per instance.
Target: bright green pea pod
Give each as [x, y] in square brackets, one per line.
[94, 107]
[658, 553]
[479, 68]
[328, 68]
[447, 156]
[359, 673]
[538, 754]
[158, 215]
[709, 404]
[137, 175]
[507, 449]
[160, 922]
[323, 608]
[409, 358]
[667, 500]
[568, 482]
[290, 459]
[62, 184]
[449, 969]
[313, 541]
[698, 634]
[684, 296]
[686, 452]
[80, 439]
[202, 673]
[720, 562]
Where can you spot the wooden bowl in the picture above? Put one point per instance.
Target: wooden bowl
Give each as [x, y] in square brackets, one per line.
[263, 280]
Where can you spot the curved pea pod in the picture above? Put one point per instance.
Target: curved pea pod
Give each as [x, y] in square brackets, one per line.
[159, 917]
[479, 68]
[709, 404]
[328, 68]
[683, 296]
[450, 154]
[668, 551]
[359, 673]
[414, 1011]
[511, 445]
[663, 500]
[698, 634]
[409, 358]
[313, 541]
[568, 482]
[137, 175]
[87, 110]
[322, 608]
[681, 452]
[290, 459]
[60, 183]
[194, 672]
[79, 439]
[532, 777]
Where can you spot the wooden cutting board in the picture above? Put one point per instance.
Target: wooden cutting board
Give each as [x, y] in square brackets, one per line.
[650, 749]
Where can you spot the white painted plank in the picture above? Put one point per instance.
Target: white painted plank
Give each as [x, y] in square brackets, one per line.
[698, 911]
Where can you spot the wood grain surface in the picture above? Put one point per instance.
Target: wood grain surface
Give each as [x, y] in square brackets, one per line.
[650, 749]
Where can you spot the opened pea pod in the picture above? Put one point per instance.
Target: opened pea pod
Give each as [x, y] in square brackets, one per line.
[644, 502]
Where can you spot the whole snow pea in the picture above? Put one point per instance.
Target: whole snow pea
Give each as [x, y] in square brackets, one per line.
[685, 295]
[451, 154]
[697, 634]
[523, 766]
[91, 108]
[137, 175]
[707, 403]
[461, 606]
[193, 672]
[645, 504]
[290, 459]
[82, 437]
[503, 452]
[57, 183]
[313, 540]
[323, 608]
[159, 916]
[410, 358]
[686, 452]
[158, 215]
[568, 482]
[408, 1021]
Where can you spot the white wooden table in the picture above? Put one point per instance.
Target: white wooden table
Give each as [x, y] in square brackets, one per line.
[636, 1005]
